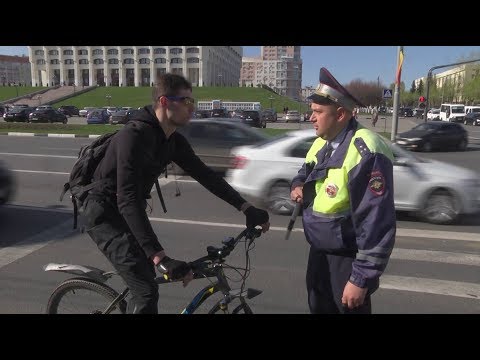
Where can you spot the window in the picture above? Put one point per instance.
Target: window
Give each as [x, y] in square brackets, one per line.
[127, 51]
[191, 60]
[175, 51]
[80, 52]
[128, 61]
[160, 61]
[113, 61]
[97, 52]
[98, 61]
[144, 61]
[176, 61]
[83, 61]
[40, 62]
[143, 51]
[301, 148]
[112, 52]
[193, 50]
[67, 52]
[53, 52]
[39, 52]
[159, 51]
[54, 62]
[68, 61]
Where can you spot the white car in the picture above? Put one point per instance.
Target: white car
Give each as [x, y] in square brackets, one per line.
[433, 114]
[292, 115]
[436, 191]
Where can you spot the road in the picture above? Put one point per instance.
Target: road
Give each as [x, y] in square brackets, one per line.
[434, 269]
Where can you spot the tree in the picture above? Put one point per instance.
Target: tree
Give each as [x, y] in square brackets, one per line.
[420, 87]
[413, 89]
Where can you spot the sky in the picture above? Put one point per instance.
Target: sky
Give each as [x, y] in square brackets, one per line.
[367, 63]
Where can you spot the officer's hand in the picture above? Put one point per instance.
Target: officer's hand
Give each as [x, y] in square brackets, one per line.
[353, 296]
[256, 217]
[297, 194]
[175, 269]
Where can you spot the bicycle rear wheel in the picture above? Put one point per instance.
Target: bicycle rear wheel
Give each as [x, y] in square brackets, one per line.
[241, 308]
[83, 296]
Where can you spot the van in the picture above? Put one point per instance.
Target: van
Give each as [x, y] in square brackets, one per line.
[452, 112]
[469, 109]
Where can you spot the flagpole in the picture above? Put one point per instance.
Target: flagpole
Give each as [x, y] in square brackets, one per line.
[396, 95]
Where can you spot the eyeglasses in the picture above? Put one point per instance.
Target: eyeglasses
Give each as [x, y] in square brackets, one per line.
[187, 100]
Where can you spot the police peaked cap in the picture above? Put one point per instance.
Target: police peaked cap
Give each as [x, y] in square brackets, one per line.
[330, 89]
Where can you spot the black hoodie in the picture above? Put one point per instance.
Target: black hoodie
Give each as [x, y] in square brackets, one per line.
[136, 157]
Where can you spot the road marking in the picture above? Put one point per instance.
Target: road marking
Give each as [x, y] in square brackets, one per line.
[19, 250]
[41, 172]
[436, 256]
[430, 286]
[40, 155]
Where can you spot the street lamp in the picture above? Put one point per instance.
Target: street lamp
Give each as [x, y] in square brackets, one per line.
[271, 98]
[16, 88]
[108, 97]
[220, 79]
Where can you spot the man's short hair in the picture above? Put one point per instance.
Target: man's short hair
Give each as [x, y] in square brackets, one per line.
[169, 85]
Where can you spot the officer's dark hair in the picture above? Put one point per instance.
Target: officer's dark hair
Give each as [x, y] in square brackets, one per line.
[169, 85]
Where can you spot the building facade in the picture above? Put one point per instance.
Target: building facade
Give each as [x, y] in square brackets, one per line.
[134, 65]
[14, 70]
[279, 67]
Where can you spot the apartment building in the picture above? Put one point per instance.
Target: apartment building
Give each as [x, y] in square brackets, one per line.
[279, 67]
[14, 70]
[134, 65]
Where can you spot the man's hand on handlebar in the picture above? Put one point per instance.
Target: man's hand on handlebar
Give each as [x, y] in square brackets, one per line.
[174, 269]
[256, 217]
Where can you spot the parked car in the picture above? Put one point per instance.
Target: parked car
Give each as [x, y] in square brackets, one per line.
[69, 110]
[85, 110]
[121, 117]
[292, 116]
[435, 191]
[7, 183]
[223, 113]
[47, 116]
[269, 115]
[405, 112]
[18, 114]
[433, 115]
[98, 116]
[213, 138]
[472, 118]
[434, 135]
[418, 113]
[252, 118]
[201, 114]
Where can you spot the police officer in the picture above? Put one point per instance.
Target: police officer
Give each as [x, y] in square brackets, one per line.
[346, 187]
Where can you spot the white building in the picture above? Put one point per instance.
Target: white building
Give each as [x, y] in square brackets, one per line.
[14, 70]
[134, 65]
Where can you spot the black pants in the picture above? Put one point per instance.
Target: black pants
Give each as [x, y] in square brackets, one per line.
[327, 275]
[110, 232]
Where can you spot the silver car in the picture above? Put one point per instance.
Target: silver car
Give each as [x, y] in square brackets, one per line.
[436, 191]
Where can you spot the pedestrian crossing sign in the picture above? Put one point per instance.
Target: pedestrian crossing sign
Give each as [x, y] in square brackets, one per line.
[387, 93]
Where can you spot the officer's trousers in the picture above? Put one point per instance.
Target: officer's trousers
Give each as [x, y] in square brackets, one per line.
[111, 234]
[327, 275]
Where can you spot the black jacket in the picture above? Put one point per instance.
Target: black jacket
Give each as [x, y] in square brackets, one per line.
[135, 158]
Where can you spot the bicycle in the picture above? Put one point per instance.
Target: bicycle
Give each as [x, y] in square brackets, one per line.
[93, 281]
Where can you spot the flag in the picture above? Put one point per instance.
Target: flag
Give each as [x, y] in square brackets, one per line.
[399, 69]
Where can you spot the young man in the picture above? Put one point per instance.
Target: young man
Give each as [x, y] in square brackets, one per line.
[346, 186]
[115, 213]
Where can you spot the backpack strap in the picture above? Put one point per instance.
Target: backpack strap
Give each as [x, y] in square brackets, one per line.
[160, 196]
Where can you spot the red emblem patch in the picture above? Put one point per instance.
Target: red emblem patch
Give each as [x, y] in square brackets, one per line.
[377, 183]
[331, 190]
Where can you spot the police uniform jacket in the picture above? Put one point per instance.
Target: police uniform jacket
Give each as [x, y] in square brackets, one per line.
[348, 201]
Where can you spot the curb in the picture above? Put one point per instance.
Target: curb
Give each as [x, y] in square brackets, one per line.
[50, 135]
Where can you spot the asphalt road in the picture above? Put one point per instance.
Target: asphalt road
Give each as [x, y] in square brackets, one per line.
[434, 269]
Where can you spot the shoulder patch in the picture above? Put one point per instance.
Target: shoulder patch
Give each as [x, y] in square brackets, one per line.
[361, 146]
[377, 183]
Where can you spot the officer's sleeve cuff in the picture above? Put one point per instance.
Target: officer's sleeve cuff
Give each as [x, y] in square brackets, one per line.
[358, 280]
[295, 184]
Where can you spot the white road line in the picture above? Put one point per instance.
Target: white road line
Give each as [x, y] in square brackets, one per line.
[41, 172]
[40, 155]
[430, 286]
[11, 253]
[436, 256]
[401, 232]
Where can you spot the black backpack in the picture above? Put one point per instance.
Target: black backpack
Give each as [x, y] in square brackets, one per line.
[80, 181]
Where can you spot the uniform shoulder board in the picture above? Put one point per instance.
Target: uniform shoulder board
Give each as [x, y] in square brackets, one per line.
[361, 147]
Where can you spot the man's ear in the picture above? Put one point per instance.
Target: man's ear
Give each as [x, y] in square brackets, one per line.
[163, 101]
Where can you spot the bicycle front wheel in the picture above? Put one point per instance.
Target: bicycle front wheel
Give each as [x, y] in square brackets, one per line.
[238, 308]
[83, 296]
